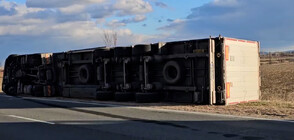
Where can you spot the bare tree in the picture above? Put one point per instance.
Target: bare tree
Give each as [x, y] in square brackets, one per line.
[110, 38]
[114, 38]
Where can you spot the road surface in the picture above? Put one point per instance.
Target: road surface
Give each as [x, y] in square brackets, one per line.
[48, 119]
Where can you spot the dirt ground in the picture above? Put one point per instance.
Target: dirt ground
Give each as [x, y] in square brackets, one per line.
[261, 109]
[277, 82]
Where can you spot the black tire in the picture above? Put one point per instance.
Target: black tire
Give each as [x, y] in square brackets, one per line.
[149, 97]
[141, 50]
[104, 95]
[172, 72]
[122, 51]
[11, 91]
[124, 96]
[104, 52]
[85, 74]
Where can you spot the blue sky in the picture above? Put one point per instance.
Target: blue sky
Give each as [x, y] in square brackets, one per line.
[31, 26]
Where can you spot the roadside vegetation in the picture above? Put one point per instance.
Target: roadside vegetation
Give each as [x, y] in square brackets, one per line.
[277, 82]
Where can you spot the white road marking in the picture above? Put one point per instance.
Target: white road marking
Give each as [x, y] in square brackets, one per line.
[155, 109]
[30, 119]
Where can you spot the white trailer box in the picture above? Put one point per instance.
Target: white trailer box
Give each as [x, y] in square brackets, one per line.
[241, 70]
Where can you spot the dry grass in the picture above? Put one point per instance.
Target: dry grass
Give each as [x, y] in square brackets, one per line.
[264, 109]
[277, 82]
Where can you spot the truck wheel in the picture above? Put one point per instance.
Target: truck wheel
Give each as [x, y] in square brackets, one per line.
[172, 72]
[104, 95]
[85, 74]
[12, 91]
[141, 50]
[148, 97]
[124, 96]
[123, 51]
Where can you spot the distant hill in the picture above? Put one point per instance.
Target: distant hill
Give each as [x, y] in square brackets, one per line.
[291, 51]
[282, 53]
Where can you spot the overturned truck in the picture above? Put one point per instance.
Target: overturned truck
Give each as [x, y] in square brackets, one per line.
[205, 71]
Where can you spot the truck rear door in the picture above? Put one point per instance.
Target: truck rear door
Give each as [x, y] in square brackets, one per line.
[241, 64]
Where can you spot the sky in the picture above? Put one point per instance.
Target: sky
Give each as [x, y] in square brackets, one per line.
[32, 26]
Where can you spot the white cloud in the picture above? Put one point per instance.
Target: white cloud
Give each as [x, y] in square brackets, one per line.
[268, 21]
[124, 22]
[58, 3]
[139, 18]
[173, 25]
[132, 7]
[76, 9]
[96, 8]
[7, 8]
[100, 11]
[69, 26]
[115, 23]
[161, 4]
[73, 9]
[225, 2]
[45, 22]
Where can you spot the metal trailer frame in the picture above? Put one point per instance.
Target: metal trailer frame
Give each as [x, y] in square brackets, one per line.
[203, 71]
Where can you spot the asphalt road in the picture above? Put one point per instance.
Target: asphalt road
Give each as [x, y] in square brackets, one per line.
[51, 119]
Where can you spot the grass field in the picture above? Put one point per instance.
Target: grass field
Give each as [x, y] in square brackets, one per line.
[277, 82]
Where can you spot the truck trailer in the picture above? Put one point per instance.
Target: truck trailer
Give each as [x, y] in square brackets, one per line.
[214, 71]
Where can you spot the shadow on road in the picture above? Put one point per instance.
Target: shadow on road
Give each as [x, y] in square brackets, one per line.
[122, 124]
[130, 129]
[71, 102]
